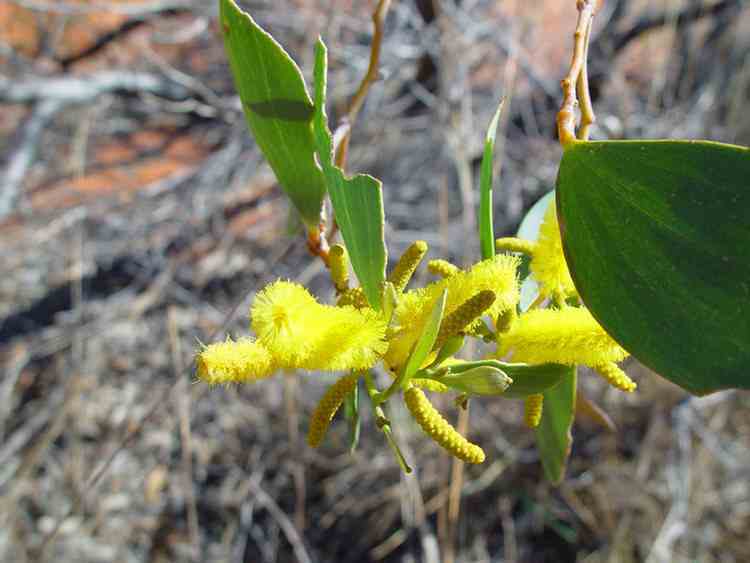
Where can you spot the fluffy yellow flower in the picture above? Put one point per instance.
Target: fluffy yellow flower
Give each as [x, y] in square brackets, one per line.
[348, 338]
[228, 362]
[283, 317]
[548, 265]
[301, 333]
[497, 275]
[565, 336]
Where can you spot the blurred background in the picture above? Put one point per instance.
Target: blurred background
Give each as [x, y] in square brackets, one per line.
[137, 217]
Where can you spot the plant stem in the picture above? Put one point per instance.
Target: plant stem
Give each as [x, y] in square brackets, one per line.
[384, 424]
[566, 117]
[378, 19]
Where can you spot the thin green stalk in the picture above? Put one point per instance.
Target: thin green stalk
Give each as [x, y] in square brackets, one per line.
[384, 424]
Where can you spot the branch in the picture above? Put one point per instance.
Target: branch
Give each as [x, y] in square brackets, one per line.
[74, 89]
[22, 156]
[576, 79]
[378, 19]
[120, 8]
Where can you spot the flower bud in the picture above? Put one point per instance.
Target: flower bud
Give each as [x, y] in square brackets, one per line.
[482, 380]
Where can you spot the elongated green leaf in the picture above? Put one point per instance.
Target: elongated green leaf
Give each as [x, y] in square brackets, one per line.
[486, 227]
[529, 230]
[657, 237]
[553, 435]
[426, 341]
[277, 107]
[357, 201]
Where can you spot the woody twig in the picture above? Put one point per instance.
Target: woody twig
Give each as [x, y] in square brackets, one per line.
[575, 85]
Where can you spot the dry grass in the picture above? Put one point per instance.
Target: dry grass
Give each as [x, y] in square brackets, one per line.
[146, 223]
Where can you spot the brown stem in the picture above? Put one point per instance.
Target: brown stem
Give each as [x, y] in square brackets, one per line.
[378, 19]
[317, 243]
[566, 117]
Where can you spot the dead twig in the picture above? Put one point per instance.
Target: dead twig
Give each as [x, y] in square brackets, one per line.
[22, 157]
[183, 409]
[80, 89]
[126, 9]
[286, 525]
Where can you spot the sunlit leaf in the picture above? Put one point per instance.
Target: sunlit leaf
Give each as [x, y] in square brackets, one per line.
[357, 201]
[277, 108]
[553, 435]
[657, 238]
[427, 339]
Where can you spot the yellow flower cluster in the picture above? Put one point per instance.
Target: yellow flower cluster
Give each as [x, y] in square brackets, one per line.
[295, 331]
[497, 275]
[563, 336]
[548, 265]
[227, 362]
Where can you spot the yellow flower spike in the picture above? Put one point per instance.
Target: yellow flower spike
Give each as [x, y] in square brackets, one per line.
[327, 407]
[439, 429]
[442, 268]
[565, 336]
[407, 264]
[548, 265]
[234, 362]
[532, 410]
[283, 316]
[429, 384]
[348, 338]
[339, 263]
[505, 320]
[414, 308]
[616, 377]
[512, 244]
[464, 316]
[354, 297]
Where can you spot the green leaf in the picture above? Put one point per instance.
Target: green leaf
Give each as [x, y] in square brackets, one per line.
[657, 238]
[426, 341]
[357, 201]
[486, 227]
[529, 230]
[553, 436]
[532, 379]
[277, 108]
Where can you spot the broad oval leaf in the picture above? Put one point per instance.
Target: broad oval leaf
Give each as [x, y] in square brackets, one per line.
[277, 108]
[657, 238]
[553, 435]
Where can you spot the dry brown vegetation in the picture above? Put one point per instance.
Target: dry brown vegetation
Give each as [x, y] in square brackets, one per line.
[137, 216]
